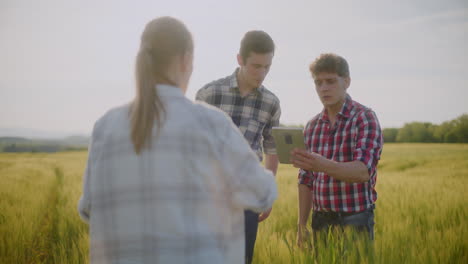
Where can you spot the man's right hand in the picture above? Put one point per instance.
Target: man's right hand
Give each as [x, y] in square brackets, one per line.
[305, 204]
[303, 236]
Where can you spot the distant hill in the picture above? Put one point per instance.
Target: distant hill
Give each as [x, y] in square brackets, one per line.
[32, 133]
[20, 144]
[7, 140]
[35, 140]
[76, 140]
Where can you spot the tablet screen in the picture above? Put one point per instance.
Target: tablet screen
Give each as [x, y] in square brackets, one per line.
[286, 139]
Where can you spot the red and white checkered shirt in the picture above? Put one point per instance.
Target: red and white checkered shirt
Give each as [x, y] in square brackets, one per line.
[356, 135]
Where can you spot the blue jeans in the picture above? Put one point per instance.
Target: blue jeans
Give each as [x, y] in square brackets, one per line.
[361, 222]
[251, 227]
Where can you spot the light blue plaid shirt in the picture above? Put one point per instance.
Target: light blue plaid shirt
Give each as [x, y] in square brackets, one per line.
[180, 201]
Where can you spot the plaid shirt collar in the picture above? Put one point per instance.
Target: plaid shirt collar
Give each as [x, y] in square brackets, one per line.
[234, 85]
[345, 112]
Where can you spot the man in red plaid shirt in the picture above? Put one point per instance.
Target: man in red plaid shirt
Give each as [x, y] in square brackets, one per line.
[338, 172]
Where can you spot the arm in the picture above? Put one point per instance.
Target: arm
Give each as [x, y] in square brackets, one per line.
[269, 147]
[305, 179]
[354, 171]
[271, 159]
[271, 163]
[252, 186]
[366, 154]
[305, 205]
[84, 204]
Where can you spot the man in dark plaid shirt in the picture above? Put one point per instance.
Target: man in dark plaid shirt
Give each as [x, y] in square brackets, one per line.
[253, 108]
[338, 172]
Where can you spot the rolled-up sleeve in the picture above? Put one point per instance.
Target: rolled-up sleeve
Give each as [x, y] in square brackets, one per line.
[369, 141]
[269, 146]
[305, 177]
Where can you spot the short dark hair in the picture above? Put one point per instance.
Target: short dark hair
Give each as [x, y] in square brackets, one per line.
[257, 41]
[331, 63]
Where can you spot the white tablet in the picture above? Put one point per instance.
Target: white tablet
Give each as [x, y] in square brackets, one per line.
[286, 139]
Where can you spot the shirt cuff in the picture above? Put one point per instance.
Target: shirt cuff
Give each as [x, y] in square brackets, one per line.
[305, 177]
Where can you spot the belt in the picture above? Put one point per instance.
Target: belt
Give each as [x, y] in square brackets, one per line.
[337, 214]
[341, 214]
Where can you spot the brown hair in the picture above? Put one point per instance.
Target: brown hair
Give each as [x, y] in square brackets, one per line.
[330, 63]
[256, 41]
[163, 39]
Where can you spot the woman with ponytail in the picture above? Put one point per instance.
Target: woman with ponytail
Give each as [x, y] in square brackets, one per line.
[167, 180]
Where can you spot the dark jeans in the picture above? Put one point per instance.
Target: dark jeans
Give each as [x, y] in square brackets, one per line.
[251, 227]
[362, 222]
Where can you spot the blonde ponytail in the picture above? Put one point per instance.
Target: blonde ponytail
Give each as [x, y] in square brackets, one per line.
[162, 40]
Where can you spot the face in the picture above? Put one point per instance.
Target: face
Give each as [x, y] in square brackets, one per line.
[255, 68]
[331, 88]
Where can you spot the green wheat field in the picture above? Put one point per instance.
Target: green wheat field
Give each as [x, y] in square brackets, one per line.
[421, 214]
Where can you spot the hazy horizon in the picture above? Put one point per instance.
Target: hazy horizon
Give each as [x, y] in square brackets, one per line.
[33, 133]
[65, 63]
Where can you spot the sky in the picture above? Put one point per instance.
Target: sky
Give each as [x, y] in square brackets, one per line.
[64, 63]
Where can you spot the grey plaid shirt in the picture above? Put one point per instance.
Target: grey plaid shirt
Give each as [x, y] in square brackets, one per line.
[254, 114]
[180, 201]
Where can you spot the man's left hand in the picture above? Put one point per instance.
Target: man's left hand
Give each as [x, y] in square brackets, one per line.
[300, 158]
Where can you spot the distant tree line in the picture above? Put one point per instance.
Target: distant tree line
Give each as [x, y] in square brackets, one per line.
[454, 131]
[39, 148]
